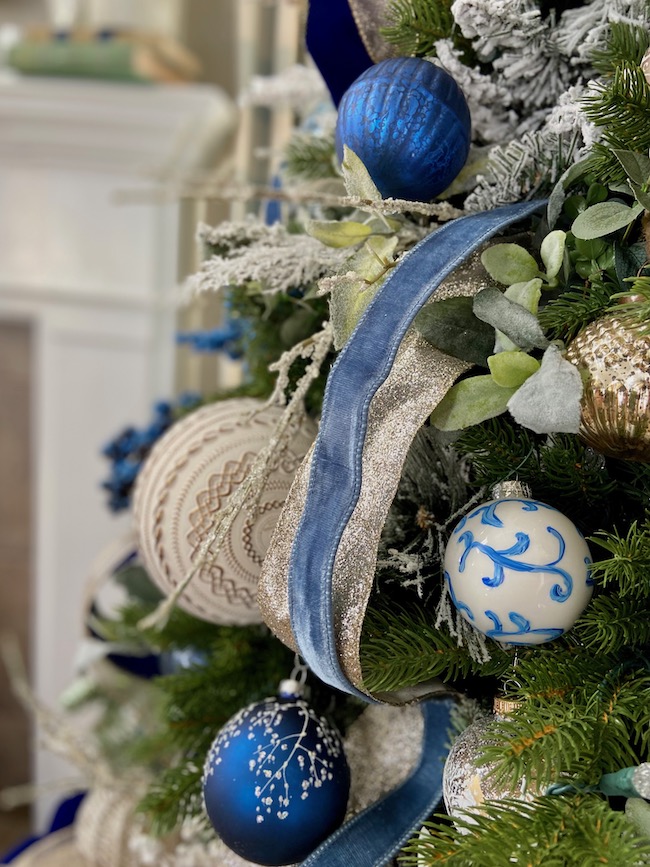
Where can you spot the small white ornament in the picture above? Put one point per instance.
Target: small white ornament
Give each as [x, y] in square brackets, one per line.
[188, 477]
[518, 570]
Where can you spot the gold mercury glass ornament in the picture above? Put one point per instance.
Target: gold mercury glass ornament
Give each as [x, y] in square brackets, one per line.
[613, 356]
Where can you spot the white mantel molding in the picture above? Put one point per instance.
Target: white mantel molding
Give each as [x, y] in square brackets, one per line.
[154, 131]
[96, 281]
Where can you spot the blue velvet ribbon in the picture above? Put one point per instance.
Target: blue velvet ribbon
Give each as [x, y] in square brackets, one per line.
[335, 476]
[335, 45]
[374, 836]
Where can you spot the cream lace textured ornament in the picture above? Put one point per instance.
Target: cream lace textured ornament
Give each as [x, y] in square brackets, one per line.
[55, 850]
[103, 826]
[188, 479]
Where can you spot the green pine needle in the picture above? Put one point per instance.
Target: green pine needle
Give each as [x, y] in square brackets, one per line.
[416, 25]
[311, 157]
[563, 317]
[627, 44]
[548, 832]
[628, 567]
[610, 625]
[401, 647]
[621, 105]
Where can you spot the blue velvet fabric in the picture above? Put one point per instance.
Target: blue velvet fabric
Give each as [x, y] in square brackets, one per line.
[377, 834]
[335, 476]
[335, 45]
[64, 816]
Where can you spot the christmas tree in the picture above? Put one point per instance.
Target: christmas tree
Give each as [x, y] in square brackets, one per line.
[465, 340]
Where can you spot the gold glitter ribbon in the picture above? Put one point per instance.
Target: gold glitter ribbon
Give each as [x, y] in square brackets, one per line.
[370, 16]
[419, 378]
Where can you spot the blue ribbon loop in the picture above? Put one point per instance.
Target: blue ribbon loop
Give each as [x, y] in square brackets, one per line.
[375, 836]
[335, 475]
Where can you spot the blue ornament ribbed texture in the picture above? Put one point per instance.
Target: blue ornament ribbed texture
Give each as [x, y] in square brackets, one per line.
[276, 781]
[408, 121]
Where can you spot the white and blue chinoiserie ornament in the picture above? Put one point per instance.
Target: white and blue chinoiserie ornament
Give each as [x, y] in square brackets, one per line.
[276, 780]
[518, 569]
[408, 122]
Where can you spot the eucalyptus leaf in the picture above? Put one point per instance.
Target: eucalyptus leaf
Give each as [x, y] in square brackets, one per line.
[357, 178]
[451, 326]
[509, 263]
[628, 260]
[552, 252]
[636, 165]
[469, 402]
[558, 194]
[549, 400]
[513, 320]
[527, 295]
[338, 233]
[641, 195]
[512, 369]
[603, 219]
[366, 270]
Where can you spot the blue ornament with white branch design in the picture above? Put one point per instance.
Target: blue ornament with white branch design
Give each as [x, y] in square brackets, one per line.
[276, 780]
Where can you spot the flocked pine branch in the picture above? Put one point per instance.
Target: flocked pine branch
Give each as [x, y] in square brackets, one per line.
[275, 261]
[621, 105]
[311, 157]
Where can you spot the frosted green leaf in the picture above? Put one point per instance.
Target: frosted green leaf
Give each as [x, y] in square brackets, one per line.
[641, 195]
[509, 317]
[357, 178]
[552, 252]
[366, 270]
[469, 402]
[336, 233]
[512, 369]
[603, 219]
[509, 263]
[636, 165]
[549, 400]
[527, 295]
[450, 325]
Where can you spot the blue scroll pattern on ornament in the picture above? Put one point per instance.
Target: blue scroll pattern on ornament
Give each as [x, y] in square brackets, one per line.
[504, 559]
[498, 632]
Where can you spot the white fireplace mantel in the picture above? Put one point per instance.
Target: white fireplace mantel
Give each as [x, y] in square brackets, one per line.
[95, 278]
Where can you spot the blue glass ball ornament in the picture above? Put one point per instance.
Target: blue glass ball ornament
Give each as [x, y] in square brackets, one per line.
[518, 570]
[276, 780]
[408, 122]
